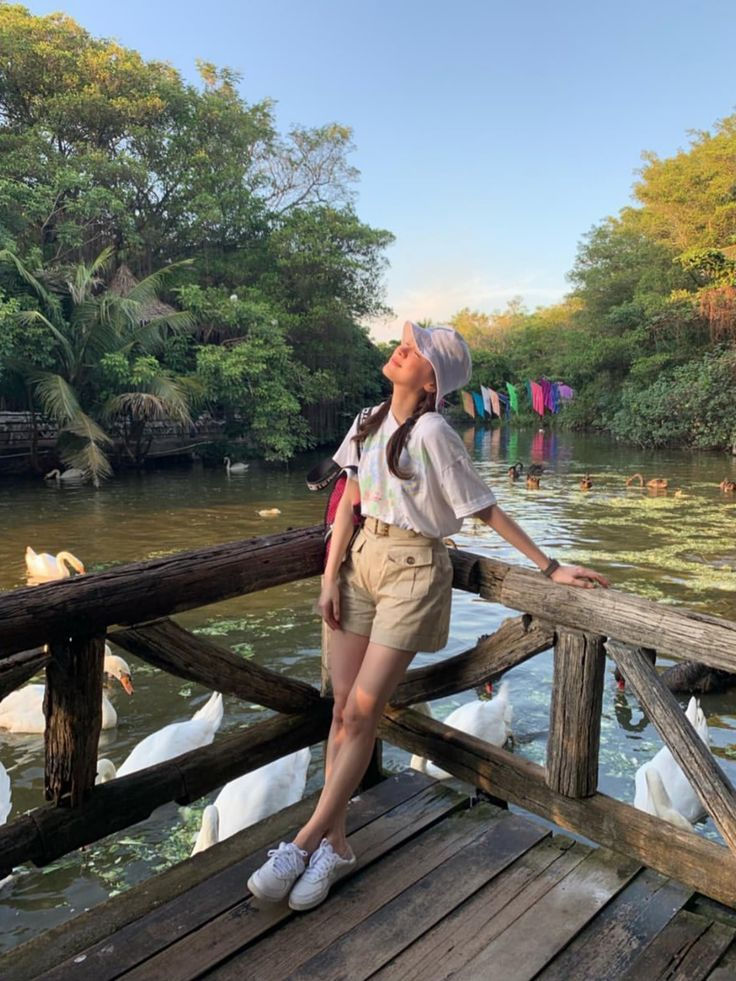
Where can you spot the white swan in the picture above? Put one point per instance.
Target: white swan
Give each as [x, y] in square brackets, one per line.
[661, 801]
[683, 798]
[5, 806]
[22, 710]
[253, 797]
[42, 567]
[5, 797]
[486, 719]
[173, 740]
[235, 467]
[72, 475]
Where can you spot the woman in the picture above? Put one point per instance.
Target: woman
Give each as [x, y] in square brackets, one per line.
[390, 596]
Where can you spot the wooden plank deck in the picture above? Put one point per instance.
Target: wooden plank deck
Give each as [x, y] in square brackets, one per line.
[440, 890]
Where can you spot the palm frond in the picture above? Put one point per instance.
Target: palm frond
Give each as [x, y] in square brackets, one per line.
[56, 395]
[90, 458]
[27, 276]
[162, 397]
[150, 336]
[148, 289]
[27, 317]
[88, 276]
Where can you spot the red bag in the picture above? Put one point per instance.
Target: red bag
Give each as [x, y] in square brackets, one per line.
[322, 476]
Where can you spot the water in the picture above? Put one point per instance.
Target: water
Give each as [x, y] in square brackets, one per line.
[679, 550]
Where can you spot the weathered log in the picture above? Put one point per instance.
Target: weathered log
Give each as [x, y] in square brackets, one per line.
[18, 668]
[575, 714]
[143, 591]
[701, 864]
[697, 762]
[672, 631]
[515, 641]
[47, 833]
[170, 647]
[73, 708]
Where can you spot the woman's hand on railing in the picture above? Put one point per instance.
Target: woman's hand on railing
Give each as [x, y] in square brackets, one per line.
[580, 576]
[328, 604]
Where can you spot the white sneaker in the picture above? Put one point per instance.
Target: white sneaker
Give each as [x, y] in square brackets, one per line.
[325, 867]
[274, 878]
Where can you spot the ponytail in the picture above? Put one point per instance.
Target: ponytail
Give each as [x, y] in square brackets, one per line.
[398, 439]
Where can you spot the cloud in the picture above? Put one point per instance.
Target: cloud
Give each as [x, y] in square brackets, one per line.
[439, 302]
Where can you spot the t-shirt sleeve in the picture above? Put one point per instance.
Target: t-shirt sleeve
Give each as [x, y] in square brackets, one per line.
[465, 490]
[462, 486]
[347, 456]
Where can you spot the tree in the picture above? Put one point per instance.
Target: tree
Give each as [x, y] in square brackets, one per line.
[88, 323]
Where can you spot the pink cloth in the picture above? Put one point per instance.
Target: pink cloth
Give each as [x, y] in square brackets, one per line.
[468, 404]
[537, 398]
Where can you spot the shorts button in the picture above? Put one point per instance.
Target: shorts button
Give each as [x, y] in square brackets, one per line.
[410, 560]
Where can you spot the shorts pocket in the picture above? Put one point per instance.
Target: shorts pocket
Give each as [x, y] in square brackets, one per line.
[408, 571]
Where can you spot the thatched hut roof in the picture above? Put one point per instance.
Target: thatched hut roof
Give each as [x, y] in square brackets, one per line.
[124, 281]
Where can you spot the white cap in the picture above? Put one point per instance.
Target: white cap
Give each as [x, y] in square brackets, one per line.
[448, 354]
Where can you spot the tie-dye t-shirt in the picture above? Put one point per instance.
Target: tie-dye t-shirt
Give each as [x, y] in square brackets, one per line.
[444, 487]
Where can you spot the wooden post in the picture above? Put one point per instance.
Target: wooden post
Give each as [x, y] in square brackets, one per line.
[73, 710]
[575, 714]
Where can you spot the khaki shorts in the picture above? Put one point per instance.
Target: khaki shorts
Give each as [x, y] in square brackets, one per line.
[396, 588]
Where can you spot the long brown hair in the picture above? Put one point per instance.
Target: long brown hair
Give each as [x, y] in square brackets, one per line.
[398, 439]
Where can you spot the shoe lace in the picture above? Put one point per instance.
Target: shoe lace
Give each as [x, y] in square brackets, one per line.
[322, 863]
[285, 860]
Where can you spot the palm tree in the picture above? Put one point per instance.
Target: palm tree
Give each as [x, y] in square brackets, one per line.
[88, 321]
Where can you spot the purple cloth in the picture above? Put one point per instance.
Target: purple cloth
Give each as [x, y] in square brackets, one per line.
[564, 391]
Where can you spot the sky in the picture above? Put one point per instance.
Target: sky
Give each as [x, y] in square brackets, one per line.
[490, 136]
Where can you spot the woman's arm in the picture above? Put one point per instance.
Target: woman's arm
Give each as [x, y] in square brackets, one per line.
[572, 575]
[342, 532]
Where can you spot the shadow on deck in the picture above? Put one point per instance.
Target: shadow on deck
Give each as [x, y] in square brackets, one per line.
[440, 890]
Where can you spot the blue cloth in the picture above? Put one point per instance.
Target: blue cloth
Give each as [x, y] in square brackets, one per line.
[479, 407]
[505, 407]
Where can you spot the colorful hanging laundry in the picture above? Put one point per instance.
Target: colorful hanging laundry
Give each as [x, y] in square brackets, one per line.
[555, 397]
[504, 404]
[486, 393]
[537, 398]
[468, 404]
[495, 404]
[478, 400]
[529, 393]
[547, 392]
[513, 396]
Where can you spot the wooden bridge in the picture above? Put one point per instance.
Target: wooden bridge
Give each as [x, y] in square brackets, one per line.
[441, 888]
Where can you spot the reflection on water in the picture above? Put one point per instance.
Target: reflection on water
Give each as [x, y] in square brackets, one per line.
[679, 550]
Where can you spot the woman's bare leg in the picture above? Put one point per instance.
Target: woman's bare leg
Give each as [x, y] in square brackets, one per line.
[346, 653]
[379, 674]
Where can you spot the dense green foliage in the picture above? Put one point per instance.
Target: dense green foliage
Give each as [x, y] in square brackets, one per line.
[257, 268]
[647, 337]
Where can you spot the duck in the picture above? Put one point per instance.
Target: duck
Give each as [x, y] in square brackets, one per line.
[728, 486]
[682, 797]
[253, 797]
[42, 567]
[235, 467]
[656, 483]
[72, 476]
[485, 718]
[679, 492]
[22, 710]
[685, 676]
[268, 512]
[586, 483]
[661, 803]
[516, 470]
[170, 741]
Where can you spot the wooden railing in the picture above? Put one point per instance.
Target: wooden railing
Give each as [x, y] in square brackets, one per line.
[131, 604]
